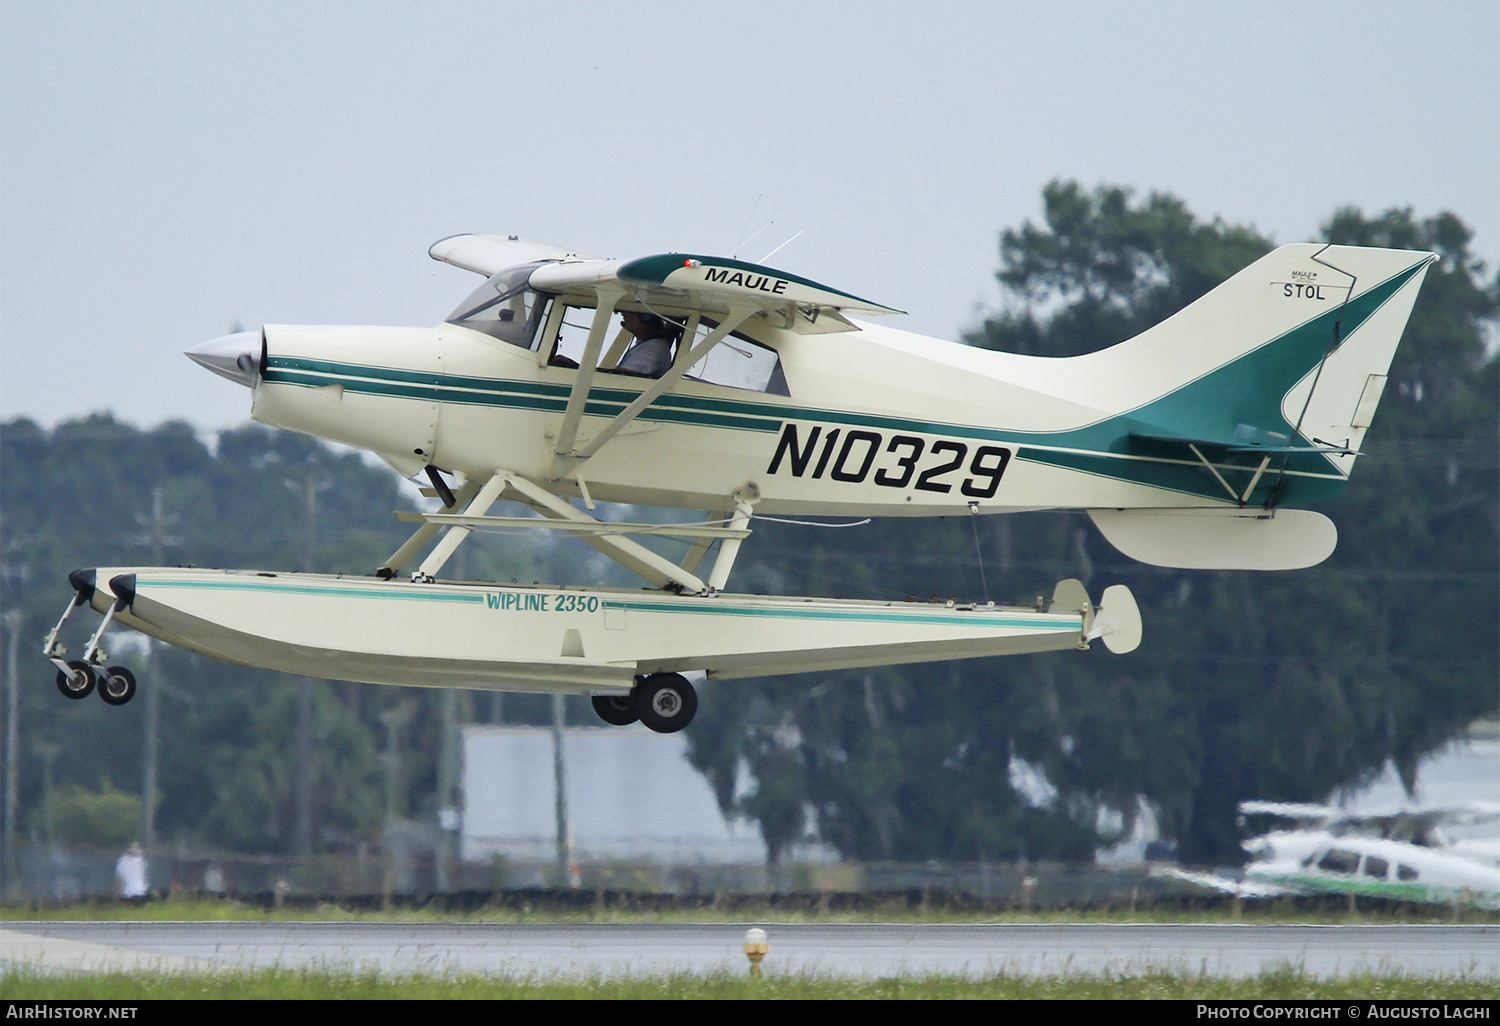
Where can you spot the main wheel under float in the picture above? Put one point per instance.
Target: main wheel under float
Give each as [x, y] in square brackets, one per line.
[666, 702]
[616, 710]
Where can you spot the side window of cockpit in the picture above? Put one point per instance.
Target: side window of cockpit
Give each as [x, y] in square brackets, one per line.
[504, 308]
[739, 362]
[567, 333]
[736, 362]
[1337, 861]
[1376, 867]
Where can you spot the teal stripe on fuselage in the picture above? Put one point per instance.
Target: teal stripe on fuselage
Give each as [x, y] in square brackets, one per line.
[505, 393]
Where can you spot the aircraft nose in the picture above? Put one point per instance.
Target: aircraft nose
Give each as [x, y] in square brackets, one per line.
[236, 357]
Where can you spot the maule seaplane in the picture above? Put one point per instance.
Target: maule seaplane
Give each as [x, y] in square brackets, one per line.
[740, 391]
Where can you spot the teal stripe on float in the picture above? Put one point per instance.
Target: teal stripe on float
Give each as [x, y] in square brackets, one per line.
[978, 618]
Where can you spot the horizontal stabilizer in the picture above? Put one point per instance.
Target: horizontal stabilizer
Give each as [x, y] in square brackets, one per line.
[1211, 446]
[1220, 539]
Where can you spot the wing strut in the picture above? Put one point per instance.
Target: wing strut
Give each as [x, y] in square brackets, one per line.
[565, 462]
[588, 363]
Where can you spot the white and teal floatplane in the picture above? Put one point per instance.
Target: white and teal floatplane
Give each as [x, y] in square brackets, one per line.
[737, 390]
[1394, 855]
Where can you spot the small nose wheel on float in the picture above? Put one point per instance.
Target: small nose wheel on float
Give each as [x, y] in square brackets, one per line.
[117, 685]
[75, 679]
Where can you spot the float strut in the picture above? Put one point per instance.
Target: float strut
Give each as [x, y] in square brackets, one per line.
[729, 548]
[457, 532]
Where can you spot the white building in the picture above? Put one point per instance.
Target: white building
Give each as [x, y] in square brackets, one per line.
[631, 794]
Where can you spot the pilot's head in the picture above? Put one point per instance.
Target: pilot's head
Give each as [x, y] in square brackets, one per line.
[645, 325]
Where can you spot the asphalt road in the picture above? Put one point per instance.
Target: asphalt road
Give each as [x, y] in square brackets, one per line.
[863, 950]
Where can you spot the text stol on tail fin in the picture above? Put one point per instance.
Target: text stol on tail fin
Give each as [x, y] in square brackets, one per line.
[1280, 370]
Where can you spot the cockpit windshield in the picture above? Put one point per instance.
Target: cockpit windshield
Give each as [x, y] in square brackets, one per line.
[503, 307]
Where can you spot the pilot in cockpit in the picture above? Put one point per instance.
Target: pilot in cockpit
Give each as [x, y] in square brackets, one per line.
[650, 355]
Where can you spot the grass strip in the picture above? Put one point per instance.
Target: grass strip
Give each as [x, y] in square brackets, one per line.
[23, 984]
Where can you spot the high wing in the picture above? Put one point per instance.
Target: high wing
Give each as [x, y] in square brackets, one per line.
[490, 254]
[1415, 825]
[675, 283]
[1305, 814]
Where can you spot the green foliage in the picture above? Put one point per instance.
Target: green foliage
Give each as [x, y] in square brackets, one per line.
[255, 777]
[83, 819]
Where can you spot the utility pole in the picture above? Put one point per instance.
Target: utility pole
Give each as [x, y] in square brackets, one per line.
[49, 753]
[448, 815]
[303, 842]
[560, 782]
[13, 619]
[157, 539]
[395, 720]
[450, 818]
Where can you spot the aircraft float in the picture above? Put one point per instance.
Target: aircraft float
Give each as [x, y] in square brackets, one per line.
[1192, 445]
[1401, 855]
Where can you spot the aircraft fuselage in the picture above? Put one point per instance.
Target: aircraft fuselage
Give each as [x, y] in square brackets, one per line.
[456, 399]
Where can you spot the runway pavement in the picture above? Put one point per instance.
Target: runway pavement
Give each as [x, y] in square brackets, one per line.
[862, 950]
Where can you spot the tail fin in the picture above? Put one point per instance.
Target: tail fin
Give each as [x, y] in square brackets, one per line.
[1260, 393]
[1290, 353]
[1335, 403]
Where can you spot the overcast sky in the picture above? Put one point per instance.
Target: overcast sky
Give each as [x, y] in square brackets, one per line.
[167, 169]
